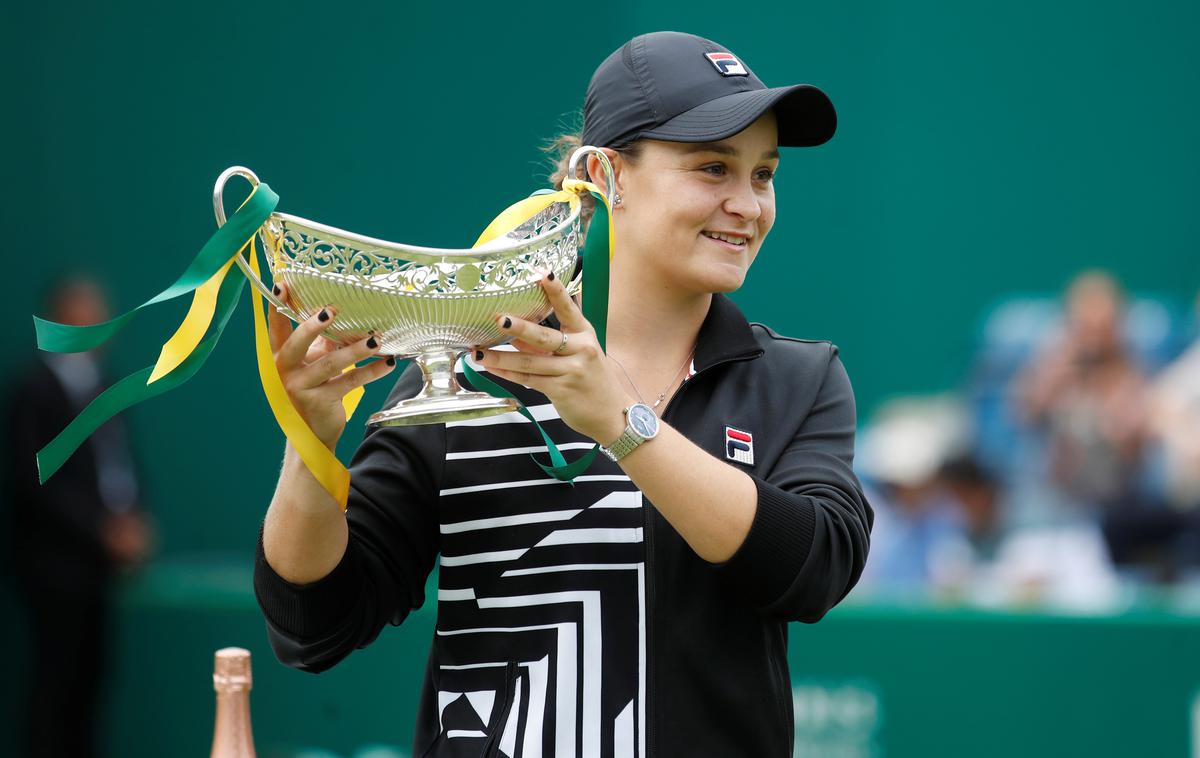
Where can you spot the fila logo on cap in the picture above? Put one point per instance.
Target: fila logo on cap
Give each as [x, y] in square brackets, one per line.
[727, 64]
[739, 446]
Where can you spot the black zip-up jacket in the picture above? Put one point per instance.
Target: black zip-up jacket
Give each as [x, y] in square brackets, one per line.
[574, 620]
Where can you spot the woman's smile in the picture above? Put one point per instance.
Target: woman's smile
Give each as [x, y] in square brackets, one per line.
[733, 242]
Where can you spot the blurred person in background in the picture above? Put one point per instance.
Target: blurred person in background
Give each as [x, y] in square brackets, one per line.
[999, 564]
[72, 536]
[1174, 421]
[977, 495]
[1088, 395]
[919, 538]
[1174, 424]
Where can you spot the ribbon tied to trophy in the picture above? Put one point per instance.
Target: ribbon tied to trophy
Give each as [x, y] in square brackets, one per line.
[430, 304]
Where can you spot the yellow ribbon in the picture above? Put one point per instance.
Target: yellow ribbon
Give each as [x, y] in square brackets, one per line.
[195, 324]
[320, 460]
[199, 316]
[579, 186]
[327, 469]
[324, 465]
[523, 210]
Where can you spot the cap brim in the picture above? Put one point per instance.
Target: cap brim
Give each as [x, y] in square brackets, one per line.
[804, 113]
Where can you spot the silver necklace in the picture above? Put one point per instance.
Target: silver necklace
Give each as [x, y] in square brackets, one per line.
[662, 395]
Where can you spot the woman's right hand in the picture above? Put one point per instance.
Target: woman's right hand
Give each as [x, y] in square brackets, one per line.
[312, 366]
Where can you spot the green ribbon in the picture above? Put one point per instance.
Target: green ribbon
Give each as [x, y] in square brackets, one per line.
[216, 252]
[595, 310]
[63, 338]
[133, 389]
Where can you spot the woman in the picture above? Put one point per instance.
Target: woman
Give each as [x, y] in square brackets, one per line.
[642, 610]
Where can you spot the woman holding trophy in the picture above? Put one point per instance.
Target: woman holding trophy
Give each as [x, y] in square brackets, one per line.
[642, 609]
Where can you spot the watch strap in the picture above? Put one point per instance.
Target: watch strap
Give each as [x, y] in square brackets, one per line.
[625, 444]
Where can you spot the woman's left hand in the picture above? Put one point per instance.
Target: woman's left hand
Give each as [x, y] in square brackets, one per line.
[577, 378]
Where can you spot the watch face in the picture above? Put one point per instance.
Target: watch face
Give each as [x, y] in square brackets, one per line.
[643, 420]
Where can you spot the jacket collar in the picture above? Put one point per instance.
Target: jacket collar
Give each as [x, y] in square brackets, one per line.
[725, 335]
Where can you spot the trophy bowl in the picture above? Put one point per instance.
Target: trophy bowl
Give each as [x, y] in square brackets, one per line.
[428, 304]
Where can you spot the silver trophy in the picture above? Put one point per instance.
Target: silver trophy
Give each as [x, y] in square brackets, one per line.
[430, 304]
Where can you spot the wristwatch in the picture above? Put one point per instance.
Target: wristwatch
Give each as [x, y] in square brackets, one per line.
[641, 425]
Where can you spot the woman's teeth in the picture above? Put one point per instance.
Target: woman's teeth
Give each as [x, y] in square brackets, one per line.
[726, 238]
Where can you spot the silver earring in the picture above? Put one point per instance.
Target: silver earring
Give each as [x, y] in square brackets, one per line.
[617, 198]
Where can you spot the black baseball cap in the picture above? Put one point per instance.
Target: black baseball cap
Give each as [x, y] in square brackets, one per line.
[683, 88]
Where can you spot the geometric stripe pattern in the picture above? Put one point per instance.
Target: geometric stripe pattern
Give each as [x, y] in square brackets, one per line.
[540, 648]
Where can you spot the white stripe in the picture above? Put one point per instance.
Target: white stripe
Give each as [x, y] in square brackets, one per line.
[532, 746]
[564, 679]
[590, 536]
[516, 451]
[620, 500]
[464, 733]
[623, 733]
[502, 521]
[508, 738]
[545, 412]
[465, 666]
[467, 594]
[532, 483]
[592, 653]
[490, 557]
[572, 567]
[641, 659]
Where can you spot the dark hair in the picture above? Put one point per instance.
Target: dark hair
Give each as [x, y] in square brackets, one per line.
[560, 149]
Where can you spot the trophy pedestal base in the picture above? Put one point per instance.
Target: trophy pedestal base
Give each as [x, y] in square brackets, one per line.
[439, 409]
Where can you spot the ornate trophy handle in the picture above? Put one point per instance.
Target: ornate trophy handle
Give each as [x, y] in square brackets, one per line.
[609, 189]
[219, 209]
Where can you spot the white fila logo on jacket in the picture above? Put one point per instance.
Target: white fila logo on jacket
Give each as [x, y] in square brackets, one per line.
[739, 446]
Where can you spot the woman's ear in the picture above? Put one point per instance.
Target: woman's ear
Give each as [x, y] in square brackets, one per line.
[596, 170]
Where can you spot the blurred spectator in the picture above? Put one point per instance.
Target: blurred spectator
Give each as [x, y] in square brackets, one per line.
[977, 494]
[71, 536]
[943, 526]
[1088, 394]
[1065, 565]
[917, 541]
[1174, 421]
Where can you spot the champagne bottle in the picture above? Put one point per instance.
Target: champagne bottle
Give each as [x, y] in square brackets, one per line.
[231, 679]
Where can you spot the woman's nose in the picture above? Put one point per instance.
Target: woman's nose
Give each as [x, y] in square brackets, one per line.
[743, 201]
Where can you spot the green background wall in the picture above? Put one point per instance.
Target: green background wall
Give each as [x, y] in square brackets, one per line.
[982, 148]
[979, 151]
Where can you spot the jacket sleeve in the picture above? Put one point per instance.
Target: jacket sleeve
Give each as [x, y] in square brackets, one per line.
[392, 516]
[808, 543]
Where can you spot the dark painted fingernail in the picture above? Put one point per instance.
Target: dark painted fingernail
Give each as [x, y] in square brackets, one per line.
[550, 276]
[323, 315]
[276, 290]
[478, 355]
[507, 322]
[391, 360]
[372, 343]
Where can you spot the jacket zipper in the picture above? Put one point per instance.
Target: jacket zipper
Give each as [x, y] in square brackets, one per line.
[651, 723]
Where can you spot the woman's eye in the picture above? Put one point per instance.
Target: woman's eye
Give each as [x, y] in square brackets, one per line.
[766, 175]
[716, 169]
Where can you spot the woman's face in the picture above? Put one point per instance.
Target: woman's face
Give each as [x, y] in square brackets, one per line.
[679, 197]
